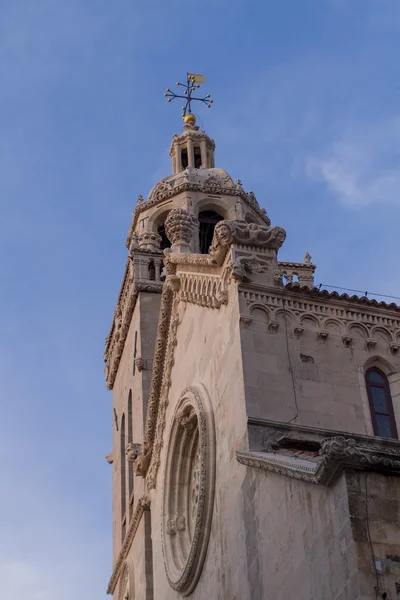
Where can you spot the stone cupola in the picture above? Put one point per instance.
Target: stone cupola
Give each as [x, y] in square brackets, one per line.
[192, 148]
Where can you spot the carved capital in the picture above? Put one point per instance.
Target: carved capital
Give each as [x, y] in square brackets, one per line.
[179, 227]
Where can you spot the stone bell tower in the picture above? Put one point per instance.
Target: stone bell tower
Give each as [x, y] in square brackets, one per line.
[179, 216]
[255, 417]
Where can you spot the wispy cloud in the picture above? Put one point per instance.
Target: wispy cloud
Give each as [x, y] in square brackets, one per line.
[363, 166]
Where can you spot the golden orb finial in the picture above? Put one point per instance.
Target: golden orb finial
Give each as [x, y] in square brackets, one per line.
[189, 118]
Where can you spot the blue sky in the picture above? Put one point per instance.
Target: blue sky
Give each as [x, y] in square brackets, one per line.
[306, 114]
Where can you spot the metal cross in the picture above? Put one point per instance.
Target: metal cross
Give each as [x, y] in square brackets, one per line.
[193, 83]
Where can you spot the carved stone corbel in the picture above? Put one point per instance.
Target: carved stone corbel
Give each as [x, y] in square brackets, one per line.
[245, 321]
[298, 331]
[133, 451]
[371, 343]
[140, 364]
[347, 340]
[322, 335]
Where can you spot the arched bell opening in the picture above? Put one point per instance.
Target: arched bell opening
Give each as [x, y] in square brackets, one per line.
[207, 222]
[165, 243]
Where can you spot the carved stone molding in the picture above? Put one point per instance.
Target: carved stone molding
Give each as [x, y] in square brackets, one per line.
[126, 584]
[142, 505]
[335, 454]
[332, 315]
[189, 487]
[160, 383]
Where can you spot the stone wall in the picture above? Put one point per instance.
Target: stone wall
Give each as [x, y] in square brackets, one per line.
[144, 324]
[292, 372]
[208, 352]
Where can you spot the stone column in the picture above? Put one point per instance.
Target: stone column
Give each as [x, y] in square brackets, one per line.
[179, 227]
[190, 152]
[203, 150]
[157, 264]
[178, 158]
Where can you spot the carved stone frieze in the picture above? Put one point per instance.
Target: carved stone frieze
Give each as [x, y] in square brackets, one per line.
[330, 314]
[202, 289]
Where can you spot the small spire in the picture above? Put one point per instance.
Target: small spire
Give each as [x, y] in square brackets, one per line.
[307, 259]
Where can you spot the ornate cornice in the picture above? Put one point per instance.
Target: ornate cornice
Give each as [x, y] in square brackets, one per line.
[336, 454]
[321, 293]
[142, 505]
[329, 311]
[186, 186]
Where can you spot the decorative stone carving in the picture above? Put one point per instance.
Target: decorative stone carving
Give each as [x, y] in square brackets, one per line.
[307, 259]
[340, 312]
[240, 232]
[323, 335]
[371, 343]
[140, 364]
[174, 524]
[110, 458]
[179, 227]
[149, 241]
[336, 453]
[189, 486]
[245, 321]
[298, 331]
[273, 326]
[142, 505]
[133, 451]
[125, 585]
[347, 340]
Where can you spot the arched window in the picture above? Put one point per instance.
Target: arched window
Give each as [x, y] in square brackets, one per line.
[130, 441]
[165, 243]
[208, 220]
[123, 476]
[380, 403]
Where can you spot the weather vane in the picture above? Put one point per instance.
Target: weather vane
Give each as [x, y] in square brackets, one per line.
[193, 82]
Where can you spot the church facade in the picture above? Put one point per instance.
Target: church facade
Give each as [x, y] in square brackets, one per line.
[255, 418]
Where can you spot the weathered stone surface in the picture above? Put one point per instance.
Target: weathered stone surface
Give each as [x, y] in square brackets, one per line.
[292, 497]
